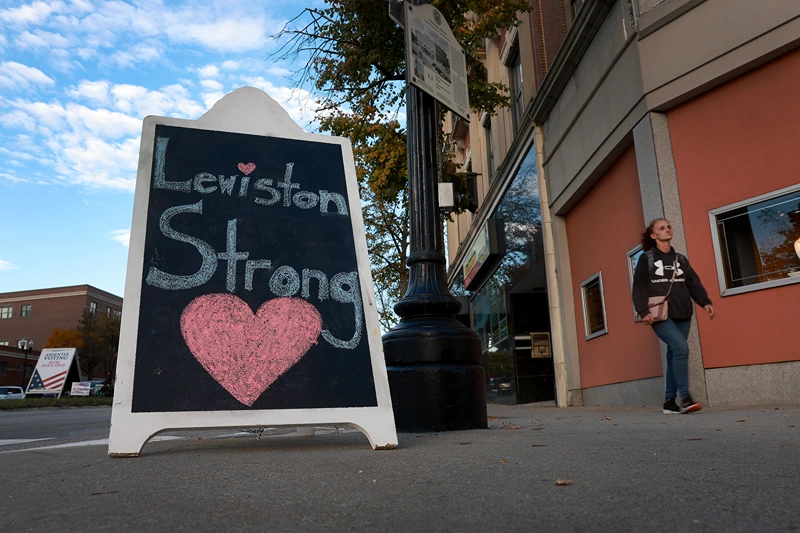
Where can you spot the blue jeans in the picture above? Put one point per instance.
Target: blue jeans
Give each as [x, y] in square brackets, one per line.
[675, 335]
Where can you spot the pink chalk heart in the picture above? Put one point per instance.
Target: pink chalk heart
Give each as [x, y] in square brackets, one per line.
[248, 168]
[246, 352]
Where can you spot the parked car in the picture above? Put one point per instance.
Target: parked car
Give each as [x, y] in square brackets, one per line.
[11, 393]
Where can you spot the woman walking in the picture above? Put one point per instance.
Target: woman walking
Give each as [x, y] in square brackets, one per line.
[661, 271]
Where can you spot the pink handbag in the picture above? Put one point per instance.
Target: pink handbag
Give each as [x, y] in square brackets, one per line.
[659, 305]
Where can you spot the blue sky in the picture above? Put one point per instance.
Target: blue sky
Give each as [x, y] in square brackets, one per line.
[76, 79]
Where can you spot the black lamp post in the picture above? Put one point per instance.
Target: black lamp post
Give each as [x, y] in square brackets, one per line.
[26, 346]
[433, 361]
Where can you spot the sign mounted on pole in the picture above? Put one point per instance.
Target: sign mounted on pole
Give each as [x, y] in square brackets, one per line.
[435, 62]
[55, 369]
[249, 297]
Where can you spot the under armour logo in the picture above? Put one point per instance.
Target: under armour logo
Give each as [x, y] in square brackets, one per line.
[660, 268]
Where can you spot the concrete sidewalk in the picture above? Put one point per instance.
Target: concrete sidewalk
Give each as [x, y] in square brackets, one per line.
[629, 470]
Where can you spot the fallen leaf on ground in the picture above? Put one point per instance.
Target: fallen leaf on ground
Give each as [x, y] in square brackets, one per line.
[696, 438]
[537, 429]
[495, 417]
[513, 426]
[791, 425]
[563, 482]
[717, 430]
[503, 460]
[741, 420]
[464, 443]
[107, 492]
[538, 445]
[607, 417]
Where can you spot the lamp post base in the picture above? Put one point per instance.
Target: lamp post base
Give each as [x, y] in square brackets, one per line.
[435, 376]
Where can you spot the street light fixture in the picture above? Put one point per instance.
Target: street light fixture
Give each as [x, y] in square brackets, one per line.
[26, 346]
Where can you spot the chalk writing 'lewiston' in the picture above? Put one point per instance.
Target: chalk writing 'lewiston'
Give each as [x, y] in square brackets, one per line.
[207, 183]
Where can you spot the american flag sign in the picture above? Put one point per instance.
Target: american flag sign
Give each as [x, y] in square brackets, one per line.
[52, 371]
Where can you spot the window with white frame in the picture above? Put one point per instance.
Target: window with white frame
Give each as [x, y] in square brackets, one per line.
[633, 260]
[93, 308]
[594, 306]
[25, 310]
[3, 343]
[6, 311]
[757, 242]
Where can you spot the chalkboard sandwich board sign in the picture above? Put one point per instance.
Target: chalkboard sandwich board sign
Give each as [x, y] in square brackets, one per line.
[248, 298]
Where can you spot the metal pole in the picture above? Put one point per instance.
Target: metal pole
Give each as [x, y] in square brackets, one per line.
[24, 367]
[433, 361]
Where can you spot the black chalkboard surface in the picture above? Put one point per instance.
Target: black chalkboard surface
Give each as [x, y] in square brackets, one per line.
[250, 293]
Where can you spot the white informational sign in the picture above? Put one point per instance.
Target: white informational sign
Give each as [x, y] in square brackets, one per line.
[52, 371]
[435, 61]
[81, 388]
[249, 300]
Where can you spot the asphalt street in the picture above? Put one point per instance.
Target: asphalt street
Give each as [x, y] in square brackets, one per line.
[619, 470]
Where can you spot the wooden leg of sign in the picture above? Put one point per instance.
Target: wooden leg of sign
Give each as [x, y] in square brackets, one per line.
[127, 440]
[380, 432]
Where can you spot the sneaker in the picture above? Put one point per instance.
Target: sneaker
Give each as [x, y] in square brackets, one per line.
[671, 408]
[688, 405]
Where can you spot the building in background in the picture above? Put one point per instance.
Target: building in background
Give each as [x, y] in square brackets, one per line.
[684, 109]
[497, 252]
[13, 362]
[34, 314]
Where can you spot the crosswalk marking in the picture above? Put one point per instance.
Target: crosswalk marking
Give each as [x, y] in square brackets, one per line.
[9, 442]
[99, 442]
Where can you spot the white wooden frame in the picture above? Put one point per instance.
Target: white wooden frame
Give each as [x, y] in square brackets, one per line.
[250, 111]
[597, 276]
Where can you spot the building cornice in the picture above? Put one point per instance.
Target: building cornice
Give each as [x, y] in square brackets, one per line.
[580, 36]
[88, 293]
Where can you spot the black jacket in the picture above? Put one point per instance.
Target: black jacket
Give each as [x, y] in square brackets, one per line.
[652, 278]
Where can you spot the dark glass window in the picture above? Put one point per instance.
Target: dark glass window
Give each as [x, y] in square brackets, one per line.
[25, 310]
[515, 86]
[6, 312]
[760, 242]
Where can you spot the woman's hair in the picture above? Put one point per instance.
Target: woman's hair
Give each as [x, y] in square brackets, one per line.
[647, 241]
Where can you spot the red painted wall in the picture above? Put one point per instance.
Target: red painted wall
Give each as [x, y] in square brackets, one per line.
[601, 229]
[730, 144]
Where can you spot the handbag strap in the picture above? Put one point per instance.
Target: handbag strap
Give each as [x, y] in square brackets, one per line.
[674, 272]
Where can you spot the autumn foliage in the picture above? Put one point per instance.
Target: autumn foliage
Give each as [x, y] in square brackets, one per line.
[354, 63]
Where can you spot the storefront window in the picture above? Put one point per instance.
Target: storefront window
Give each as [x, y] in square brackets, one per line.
[522, 268]
[757, 242]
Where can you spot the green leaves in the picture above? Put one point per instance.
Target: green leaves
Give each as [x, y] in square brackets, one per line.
[353, 59]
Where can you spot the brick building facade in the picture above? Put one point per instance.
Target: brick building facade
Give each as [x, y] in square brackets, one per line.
[34, 314]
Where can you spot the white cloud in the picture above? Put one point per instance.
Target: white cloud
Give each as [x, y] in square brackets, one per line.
[144, 53]
[122, 236]
[229, 35]
[231, 65]
[17, 75]
[96, 91]
[55, 43]
[208, 71]
[209, 99]
[212, 85]
[299, 103]
[5, 265]
[32, 14]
